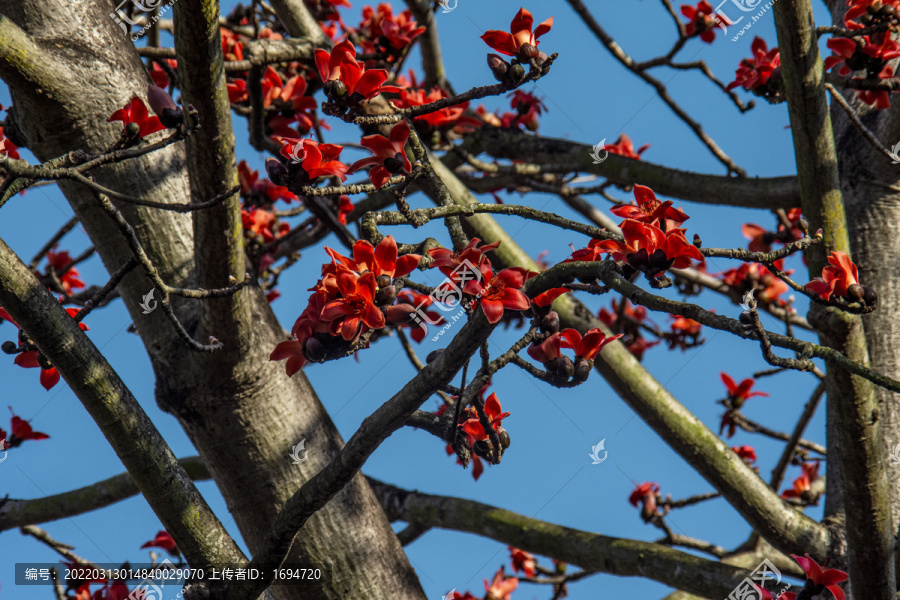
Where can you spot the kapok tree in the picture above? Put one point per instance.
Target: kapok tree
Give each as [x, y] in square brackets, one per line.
[156, 186]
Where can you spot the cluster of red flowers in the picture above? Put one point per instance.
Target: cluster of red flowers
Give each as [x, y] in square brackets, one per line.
[383, 34]
[756, 278]
[528, 108]
[802, 485]
[840, 279]
[761, 239]
[501, 587]
[761, 72]
[473, 434]
[653, 241]
[872, 55]
[629, 321]
[868, 13]
[33, 359]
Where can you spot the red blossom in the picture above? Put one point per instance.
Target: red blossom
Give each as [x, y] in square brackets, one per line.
[7, 148]
[32, 359]
[645, 494]
[545, 299]
[381, 24]
[745, 453]
[753, 73]
[20, 430]
[261, 222]
[501, 587]
[625, 147]
[252, 186]
[421, 302]
[650, 249]
[836, 278]
[159, 75]
[136, 112]
[520, 34]
[355, 312]
[315, 159]
[380, 260]
[495, 416]
[738, 394]
[60, 263]
[449, 117]
[802, 485]
[232, 48]
[498, 292]
[650, 210]
[390, 158]
[522, 561]
[755, 277]
[819, 576]
[163, 540]
[684, 333]
[632, 317]
[590, 345]
[702, 21]
[448, 261]
[341, 65]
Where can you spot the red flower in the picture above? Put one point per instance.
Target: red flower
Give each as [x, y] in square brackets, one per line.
[522, 561]
[237, 91]
[136, 112]
[836, 278]
[827, 578]
[32, 358]
[702, 20]
[501, 587]
[260, 222]
[20, 431]
[398, 32]
[7, 148]
[315, 159]
[645, 493]
[68, 276]
[590, 345]
[756, 277]
[495, 416]
[264, 189]
[389, 159]
[421, 302]
[379, 260]
[624, 147]
[753, 73]
[650, 249]
[503, 290]
[341, 65]
[547, 350]
[520, 35]
[159, 76]
[545, 299]
[232, 48]
[163, 540]
[292, 350]
[528, 108]
[448, 117]
[803, 484]
[477, 470]
[746, 453]
[448, 261]
[738, 394]
[685, 333]
[650, 210]
[354, 313]
[345, 207]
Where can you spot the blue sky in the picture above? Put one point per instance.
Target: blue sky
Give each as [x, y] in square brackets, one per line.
[546, 473]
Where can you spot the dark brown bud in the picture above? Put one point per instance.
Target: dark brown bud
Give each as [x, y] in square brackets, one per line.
[855, 292]
[9, 347]
[527, 51]
[395, 165]
[504, 437]
[335, 89]
[165, 108]
[498, 66]
[433, 355]
[566, 368]
[386, 295]
[550, 323]
[516, 74]
[697, 241]
[276, 171]
[582, 369]
[482, 448]
[314, 350]
[383, 281]
[869, 296]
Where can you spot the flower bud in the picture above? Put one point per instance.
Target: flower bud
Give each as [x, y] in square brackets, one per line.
[314, 350]
[504, 437]
[550, 323]
[855, 292]
[528, 51]
[165, 108]
[565, 368]
[746, 318]
[276, 171]
[482, 448]
[515, 74]
[582, 369]
[335, 89]
[698, 243]
[498, 66]
[869, 296]
[395, 165]
[9, 347]
[383, 281]
[386, 295]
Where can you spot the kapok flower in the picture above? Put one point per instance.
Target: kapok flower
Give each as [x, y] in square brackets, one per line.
[447, 117]
[32, 359]
[20, 431]
[421, 302]
[60, 263]
[390, 158]
[650, 249]
[495, 415]
[498, 292]
[820, 579]
[315, 159]
[589, 346]
[738, 394]
[684, 334]
[379, 260]
[501, 587]
[840, 278]
[645, 494]
[7, 148]
[136, 112]
[702, 21]
[745, 453]
[522, 561]
[347, 79]
[448, 261]
[261, 189]
[753, 73]
[381, 25]
[625, 147]
[163, 540]
[520, 42]
[355, 312]
[650, 210]
[802, 485]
